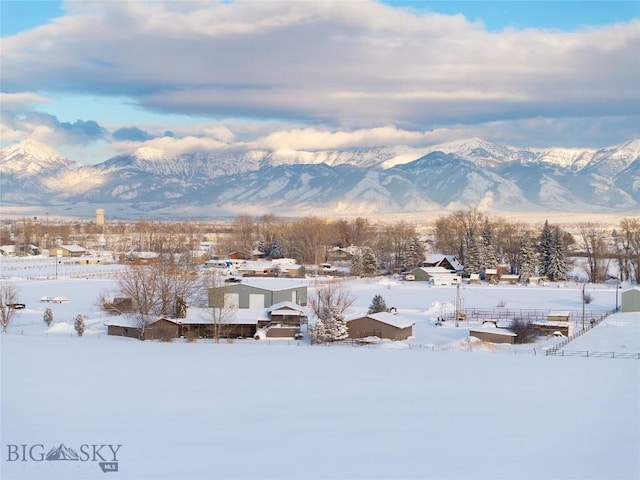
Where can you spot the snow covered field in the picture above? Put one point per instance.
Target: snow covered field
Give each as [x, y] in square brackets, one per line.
[436, 406]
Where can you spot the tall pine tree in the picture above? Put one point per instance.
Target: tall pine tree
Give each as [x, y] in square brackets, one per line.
[557, 269]
[415, 253]
[369, 262]
[472, 263]
[546, 248]
[528, 261]
[488, 257]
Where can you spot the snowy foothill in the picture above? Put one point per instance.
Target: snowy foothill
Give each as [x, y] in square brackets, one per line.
[439, 405]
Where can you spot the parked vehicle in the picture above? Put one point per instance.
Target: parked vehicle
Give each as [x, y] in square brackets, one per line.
[49, 299]
[16, 306]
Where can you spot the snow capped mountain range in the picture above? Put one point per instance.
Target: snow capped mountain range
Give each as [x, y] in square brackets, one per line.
[363, 181]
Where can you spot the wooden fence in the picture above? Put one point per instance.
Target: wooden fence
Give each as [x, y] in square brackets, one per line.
[588, 353]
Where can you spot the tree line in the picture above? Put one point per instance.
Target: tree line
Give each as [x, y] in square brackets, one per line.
[479, 240]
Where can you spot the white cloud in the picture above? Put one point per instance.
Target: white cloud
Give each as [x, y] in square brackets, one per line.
[314, 139]
[319, 74]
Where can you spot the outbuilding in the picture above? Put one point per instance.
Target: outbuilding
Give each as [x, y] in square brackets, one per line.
[631, 300]
[127, 326]
[493, 335]
[381, 325]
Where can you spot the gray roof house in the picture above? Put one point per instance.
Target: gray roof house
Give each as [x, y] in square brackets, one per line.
[257, 294]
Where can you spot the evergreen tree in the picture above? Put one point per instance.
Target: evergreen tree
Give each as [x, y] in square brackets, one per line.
[472, 259]
[488, 257]
[378, 305]
[528, 261]
[369, 262]
[356, 265]
[557, 269]
[317, 332]
[79, 325]
[48, 317]
[415, 253]
[546, 248]
[276, 250]
[335, 326]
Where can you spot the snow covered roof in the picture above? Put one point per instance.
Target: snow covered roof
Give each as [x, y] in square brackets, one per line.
[494, 331]
[288, 306]
[440, 271]
[74, 248]
[256, 265]
[284, 261]
[388, 318]
[437, 258]
[133, 322]
[274, 284]
[144, 255]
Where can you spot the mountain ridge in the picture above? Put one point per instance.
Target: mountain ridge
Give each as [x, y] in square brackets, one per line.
[379, 180]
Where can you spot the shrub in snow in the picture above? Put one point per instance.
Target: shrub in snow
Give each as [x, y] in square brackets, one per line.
[191, 335]
[526, 332]
[587, 298]
[48, 317]
[79, 324]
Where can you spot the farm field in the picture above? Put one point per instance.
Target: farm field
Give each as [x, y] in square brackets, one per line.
[438, 405]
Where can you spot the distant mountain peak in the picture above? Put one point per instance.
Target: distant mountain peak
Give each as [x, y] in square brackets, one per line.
[34, 149]
[31, 157]
[149, 154]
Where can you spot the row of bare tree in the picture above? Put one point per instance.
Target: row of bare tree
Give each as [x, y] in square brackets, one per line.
[394, 244]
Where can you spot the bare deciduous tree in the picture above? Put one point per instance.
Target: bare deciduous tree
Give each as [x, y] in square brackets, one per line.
[221, 312]
[334, 294]
[8, 297]
[156, 290]
[243, 237]
[310, 238]
[454, 231]
[595, 248]
[628, 248]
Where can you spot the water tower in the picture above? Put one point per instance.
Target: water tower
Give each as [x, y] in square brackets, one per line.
[100, 219]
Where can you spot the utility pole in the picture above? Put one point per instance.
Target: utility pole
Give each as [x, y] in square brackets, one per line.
[583, 306]
[457, 304]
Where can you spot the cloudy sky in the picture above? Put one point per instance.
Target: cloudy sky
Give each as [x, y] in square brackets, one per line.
[93, 78]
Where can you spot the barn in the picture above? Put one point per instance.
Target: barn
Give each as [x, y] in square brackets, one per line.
[381, 325]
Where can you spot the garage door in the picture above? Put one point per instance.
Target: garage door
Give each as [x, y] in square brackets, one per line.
[231, 300]
[256, 300]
